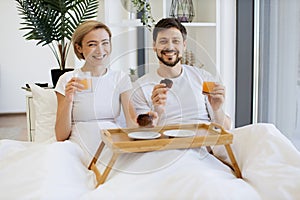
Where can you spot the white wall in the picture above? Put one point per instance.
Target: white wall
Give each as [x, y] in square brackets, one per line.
[21, 61]
[124, 35]
[227, 53]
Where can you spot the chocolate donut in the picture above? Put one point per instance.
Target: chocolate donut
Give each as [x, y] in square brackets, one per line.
[145, 120]
[168, 82]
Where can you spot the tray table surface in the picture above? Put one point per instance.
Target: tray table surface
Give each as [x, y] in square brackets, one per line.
[206, 135]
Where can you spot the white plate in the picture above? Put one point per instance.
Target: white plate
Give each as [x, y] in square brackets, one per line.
[144, 135]
[179, 133]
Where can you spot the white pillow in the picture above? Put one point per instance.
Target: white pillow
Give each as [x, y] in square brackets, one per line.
[45, 105]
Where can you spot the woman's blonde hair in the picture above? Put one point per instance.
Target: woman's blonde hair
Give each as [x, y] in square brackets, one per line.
[84, 29]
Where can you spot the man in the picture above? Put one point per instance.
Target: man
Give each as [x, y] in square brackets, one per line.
[184, 101]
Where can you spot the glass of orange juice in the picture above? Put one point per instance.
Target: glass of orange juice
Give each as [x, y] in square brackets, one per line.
[208, 87]
[85, 78]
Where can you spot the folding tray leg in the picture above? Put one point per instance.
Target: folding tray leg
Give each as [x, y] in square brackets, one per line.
[107, 169]
[96, 171]
[102, 177]
[233, 161]
[97, 154]
[209, 150]
[93, 166]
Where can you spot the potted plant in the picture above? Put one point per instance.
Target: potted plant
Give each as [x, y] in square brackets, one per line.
[143, 7]
[52, 23]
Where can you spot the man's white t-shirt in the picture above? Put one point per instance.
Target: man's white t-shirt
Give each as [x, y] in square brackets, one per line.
[185, 101]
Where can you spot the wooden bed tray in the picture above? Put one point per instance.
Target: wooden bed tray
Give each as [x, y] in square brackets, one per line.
[209, 134]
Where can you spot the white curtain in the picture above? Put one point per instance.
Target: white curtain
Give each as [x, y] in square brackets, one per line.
[279, 66]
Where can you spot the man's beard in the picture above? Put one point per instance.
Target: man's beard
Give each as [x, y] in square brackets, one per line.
[169, 63]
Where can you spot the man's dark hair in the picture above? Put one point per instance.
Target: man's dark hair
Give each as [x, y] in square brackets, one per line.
[169, 23]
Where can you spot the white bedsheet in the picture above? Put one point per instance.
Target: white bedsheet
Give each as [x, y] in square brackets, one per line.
[270, 166]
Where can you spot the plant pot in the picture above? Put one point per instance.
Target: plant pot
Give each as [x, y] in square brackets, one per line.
[56, 73]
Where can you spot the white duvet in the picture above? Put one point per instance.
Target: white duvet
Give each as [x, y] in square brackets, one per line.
[269, 163]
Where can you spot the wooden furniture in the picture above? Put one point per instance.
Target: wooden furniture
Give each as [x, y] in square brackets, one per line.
[206, 135]
[30, 117]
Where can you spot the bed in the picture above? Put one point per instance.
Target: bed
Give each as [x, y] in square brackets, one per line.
[46, 169]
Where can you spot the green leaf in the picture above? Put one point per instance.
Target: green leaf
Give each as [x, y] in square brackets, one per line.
[54, 21]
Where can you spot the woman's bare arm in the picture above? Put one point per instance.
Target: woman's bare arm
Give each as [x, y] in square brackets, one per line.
[64, 110]
[63, 118]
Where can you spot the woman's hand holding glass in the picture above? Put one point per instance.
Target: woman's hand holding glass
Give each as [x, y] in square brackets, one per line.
[71, 87]
[80, 82]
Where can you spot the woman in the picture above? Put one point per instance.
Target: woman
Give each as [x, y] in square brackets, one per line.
[78, 111]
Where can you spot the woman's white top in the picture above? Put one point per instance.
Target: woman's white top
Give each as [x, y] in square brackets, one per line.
[104, 102]
[95, 110]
